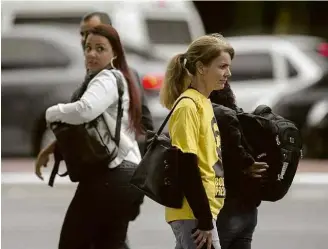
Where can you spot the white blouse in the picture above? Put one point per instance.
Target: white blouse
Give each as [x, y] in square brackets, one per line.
[101, 96]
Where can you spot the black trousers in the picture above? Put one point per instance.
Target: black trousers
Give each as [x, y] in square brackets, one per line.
[236, 225]
[100, 212]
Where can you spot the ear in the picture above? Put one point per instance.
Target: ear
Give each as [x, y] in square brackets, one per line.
[200, 67]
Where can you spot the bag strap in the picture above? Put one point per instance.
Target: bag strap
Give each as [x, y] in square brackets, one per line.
[58, 158]
[244, 139]
[54, 172]
[120, 90]
[170, 113]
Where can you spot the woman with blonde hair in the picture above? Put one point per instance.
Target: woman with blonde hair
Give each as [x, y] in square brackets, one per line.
[193, 130]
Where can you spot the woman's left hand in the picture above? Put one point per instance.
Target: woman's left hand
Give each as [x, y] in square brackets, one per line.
[42, 160]
[203, 238]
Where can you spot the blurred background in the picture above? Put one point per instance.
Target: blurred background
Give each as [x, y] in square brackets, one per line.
[281, 61]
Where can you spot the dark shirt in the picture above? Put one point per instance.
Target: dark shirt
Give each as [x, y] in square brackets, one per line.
[146, 119]
[235, 158]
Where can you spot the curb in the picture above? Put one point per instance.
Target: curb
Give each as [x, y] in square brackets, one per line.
[302, 178]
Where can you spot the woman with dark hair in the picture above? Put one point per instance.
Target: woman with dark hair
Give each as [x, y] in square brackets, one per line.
[104, 203]
[238, 218]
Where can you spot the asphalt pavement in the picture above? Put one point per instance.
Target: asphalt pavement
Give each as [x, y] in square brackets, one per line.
[32, 213]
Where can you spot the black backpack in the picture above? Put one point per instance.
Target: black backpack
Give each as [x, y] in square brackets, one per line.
[275, 140]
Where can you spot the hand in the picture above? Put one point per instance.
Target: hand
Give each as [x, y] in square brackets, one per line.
[203, 237]
[42, 160]
[257, 169]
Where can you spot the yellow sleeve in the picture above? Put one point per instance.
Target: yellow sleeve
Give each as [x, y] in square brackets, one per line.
[184, 128]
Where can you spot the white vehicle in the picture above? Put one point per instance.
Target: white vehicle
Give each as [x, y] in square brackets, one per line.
[267, 67]
[168, 26]
[315, 137]
[317, 113]
[39, 69]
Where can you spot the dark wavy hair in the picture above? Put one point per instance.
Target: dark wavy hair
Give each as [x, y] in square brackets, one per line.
[224, 97]
[120, 63]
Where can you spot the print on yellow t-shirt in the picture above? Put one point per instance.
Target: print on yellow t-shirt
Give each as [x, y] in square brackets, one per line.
[218, 167]
[193, 129]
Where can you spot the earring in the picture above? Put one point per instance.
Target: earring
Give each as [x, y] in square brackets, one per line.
[112, 62]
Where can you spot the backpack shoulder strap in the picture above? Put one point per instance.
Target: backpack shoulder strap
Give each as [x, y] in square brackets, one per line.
[120, 91]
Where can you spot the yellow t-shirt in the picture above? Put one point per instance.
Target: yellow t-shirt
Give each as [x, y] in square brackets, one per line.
[193, 129]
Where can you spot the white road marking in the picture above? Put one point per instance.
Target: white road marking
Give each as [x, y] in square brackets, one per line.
[30, 178]
[303, 178]
[313, 178]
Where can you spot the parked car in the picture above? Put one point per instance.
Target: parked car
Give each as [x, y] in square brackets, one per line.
[265, 67]
[288, 73]
[42, 66]
[303, 107]
[169, 26]
[296, 104]
[316, 130]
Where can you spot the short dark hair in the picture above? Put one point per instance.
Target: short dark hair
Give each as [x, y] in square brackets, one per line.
[103, 16]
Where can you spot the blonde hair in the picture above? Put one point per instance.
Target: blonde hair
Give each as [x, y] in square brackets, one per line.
[179, 70]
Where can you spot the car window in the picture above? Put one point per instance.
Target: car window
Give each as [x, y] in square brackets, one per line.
[168, 32]
[25, 53]
[69, 21]
[291, 70]
[144, 54]
[252, 66]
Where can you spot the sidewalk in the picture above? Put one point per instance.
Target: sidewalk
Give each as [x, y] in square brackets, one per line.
[27, 165]
[21, 171]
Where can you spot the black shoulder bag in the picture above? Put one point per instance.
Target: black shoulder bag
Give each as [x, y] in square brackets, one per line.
[157, 174]
[88, 147]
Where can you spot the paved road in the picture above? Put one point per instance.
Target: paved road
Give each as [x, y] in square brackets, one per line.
[32, 215]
